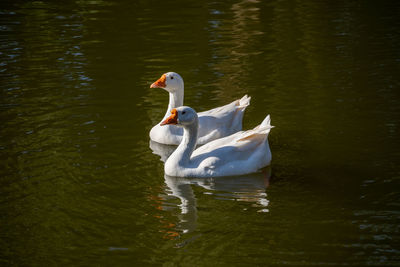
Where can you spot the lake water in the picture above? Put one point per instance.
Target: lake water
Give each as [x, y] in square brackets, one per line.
[80, 185]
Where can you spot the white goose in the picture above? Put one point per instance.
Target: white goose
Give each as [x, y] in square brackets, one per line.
[214, 123]
[240, 153]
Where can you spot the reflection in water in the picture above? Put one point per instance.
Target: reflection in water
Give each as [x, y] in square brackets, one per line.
[247, 188]
[164, 151]
[233, 60]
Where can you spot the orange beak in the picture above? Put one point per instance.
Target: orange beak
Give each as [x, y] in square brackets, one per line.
[160, 83]
[173, 119]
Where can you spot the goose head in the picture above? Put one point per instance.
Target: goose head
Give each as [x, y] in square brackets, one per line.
[170, 81]
[182, 116]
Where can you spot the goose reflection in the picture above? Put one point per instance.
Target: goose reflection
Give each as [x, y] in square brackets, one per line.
[248, 188]
[164, 151]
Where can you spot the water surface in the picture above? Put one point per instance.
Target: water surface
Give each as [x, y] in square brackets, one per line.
[80, 185]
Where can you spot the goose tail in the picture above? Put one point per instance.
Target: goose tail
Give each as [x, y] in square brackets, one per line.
[260, 132]
[266, 122]
[244, 101]
[265, 125]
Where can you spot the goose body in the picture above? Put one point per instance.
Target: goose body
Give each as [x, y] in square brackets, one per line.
[241, 153]
[214, 123]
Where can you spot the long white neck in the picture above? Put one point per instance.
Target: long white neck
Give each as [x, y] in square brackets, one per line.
[181, 155]
[175, 100]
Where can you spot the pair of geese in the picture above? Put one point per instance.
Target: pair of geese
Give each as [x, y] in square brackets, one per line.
[226, 150]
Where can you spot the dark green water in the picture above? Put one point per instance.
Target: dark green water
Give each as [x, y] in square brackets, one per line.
[79, 185]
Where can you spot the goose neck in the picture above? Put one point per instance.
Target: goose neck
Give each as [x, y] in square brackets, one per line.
[175, 100]
[182, 154]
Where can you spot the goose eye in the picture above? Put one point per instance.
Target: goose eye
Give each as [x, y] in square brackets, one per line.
[172, 78]
[183, 112]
